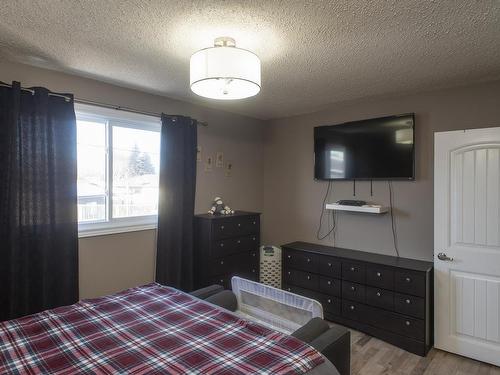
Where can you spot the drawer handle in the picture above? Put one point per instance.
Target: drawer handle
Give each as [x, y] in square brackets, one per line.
[221, 245]
[408, 323]
[253, 239]
[289, 289]
[289, 272]
[408, 280]
[378, 294]
[379, 274]
[253, 270]
[239, 241]
[222, 227]
[351, 307]
[308, 277]
[239, 225]
[329, 264]
[329, 282]
[308, 260]
[289, 257]
[329, 300]
[221, 262]
[353, 288]
[408, 301]
[353, 269]
[254, 222]
[253, 254]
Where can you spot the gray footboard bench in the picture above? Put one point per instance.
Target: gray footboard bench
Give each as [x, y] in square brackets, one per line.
[333, 341]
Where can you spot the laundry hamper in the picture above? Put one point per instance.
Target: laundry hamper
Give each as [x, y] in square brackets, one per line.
[270, 266]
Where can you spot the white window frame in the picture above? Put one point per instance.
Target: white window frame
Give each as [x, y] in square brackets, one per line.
[123, 119]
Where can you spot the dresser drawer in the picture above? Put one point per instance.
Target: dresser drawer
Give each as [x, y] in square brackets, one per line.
[235, 227]
[330, 304]
[353, 272]
[329, 286]
[251, 274]
[353, 291]
[301, 260]
[405, 326]
[393, 322]
[409, 305]
[301, 278]
[234, 245]
[380, 298]
[381, 277]
[243, 262]
[396, 323]
[329, 266]
[300, 291]
[223, 265]
[410, 282]
[224, 280]
[353, 310]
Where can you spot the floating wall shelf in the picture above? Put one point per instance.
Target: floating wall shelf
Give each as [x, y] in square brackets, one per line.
[366, 209]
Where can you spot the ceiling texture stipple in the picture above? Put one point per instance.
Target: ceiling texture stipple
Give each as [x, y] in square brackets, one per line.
[313, 52]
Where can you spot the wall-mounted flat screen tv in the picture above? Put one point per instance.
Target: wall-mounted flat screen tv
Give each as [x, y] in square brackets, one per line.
[381, 148]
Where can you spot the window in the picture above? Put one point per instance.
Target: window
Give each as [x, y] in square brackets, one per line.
[118, 170]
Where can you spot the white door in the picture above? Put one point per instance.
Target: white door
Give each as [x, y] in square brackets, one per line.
[466, 230]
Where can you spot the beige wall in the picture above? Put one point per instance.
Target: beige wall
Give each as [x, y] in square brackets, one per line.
[114, 262]
[293, 200]
[274, 172]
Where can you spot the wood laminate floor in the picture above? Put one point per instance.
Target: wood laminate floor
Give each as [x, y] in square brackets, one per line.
[370, 356]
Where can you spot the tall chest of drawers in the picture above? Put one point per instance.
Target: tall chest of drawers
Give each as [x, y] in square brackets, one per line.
[226, 246]
[387, 297]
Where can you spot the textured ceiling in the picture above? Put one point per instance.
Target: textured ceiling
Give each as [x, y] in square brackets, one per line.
[313, 52]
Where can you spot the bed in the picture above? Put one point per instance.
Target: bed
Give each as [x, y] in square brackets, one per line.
[150, 329]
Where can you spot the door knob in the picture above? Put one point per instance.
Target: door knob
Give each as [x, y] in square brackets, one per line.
[443, 256]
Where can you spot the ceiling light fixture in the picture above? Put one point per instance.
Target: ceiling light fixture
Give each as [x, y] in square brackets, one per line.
[224, 71]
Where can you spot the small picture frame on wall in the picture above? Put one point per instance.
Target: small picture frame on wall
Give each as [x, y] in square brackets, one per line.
[219, 159]
[228, 172]
[209, 164]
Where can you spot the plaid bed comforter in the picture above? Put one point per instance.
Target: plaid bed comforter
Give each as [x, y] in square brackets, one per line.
[146, 330]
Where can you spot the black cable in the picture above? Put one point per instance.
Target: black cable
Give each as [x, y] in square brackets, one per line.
[354, 187]
[318, 236]
[393, 223]
[334, 228]
[371, 188]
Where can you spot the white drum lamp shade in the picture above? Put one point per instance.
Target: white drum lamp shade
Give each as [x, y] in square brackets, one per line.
[225, 72]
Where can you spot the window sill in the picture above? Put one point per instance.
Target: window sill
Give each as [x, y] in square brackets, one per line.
[95, 232]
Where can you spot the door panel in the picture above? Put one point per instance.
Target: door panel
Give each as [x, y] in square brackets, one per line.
[476, 301]
[466, 229]
[493, 198]
[475, 193]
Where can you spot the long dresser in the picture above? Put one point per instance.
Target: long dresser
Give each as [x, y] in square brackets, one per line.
[387, 297]
[226, 246]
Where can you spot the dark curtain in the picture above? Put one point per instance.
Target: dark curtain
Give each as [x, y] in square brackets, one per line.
[38, 202]
[174, 255]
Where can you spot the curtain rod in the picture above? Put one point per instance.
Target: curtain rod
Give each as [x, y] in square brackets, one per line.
[98, 104]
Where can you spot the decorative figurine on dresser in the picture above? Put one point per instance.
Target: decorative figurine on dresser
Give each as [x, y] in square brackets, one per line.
[226, 245]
